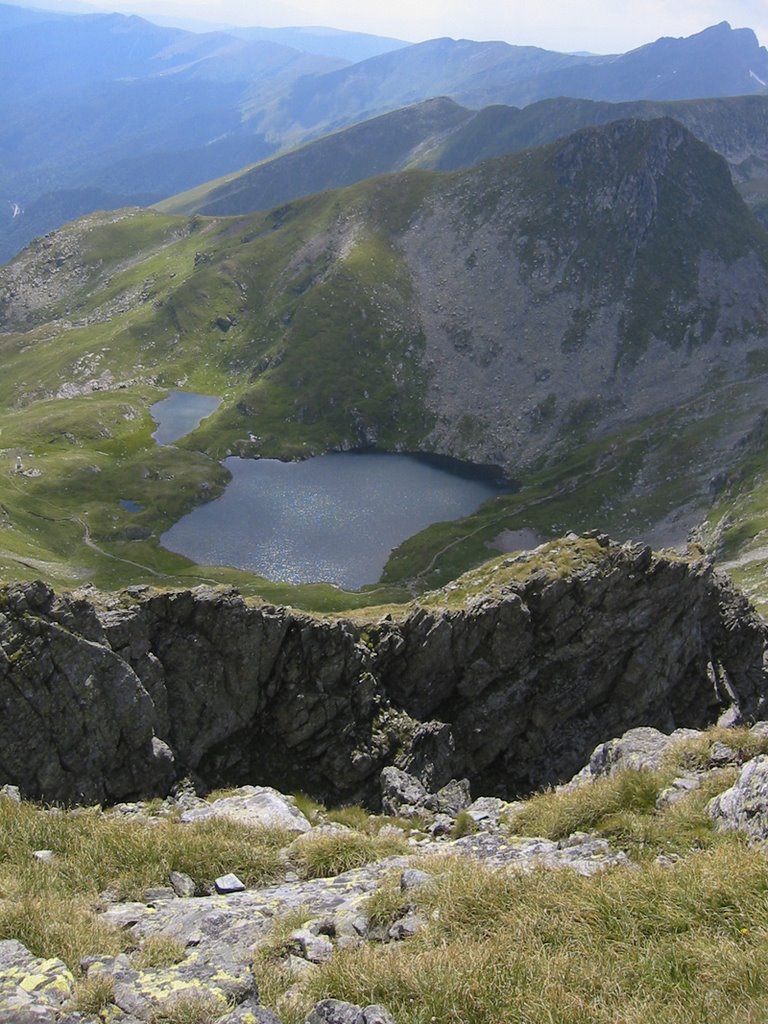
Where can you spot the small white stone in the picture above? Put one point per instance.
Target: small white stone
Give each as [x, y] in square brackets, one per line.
[227, 884]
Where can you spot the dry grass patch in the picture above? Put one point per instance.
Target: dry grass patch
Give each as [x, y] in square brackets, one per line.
[360, 819]
[158, 951]
[271, 970]
[94, 852]
[695, 754]
[49, 905]
[277, 945]
[677, 829]
[56, 926]
[685, 945]
[313, 811]
[387, 903]
[92, 995]
[192, 1008]
[622, 809]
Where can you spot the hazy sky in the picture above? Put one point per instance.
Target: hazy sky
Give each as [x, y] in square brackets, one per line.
[604, 26]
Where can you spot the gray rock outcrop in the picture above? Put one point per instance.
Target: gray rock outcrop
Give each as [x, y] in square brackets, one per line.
[112, 697]
[637, 749]
[744, 807]
[333, 1011]
[29, 984]
[253, 805]
[78, 723]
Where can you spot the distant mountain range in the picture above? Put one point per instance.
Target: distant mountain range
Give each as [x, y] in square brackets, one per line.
[329, 42]
[115, 110]
[719, 61]
[105, 111]
[441, 135]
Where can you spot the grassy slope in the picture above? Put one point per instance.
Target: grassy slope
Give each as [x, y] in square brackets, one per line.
[339, 319]
[321, 345]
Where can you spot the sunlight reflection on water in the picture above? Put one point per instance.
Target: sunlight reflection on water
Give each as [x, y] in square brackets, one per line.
[333, 518]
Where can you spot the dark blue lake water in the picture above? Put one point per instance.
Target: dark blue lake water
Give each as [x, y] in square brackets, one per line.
[334, 518]
[180, 413]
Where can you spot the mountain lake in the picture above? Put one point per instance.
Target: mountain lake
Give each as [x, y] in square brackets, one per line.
[180, 413]
[334, 518]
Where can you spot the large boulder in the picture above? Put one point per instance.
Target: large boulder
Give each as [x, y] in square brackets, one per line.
[638, 749]
[744, 807]
[254, 806]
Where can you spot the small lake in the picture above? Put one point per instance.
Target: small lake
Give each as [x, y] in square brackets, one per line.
[334, 518]
[180, 413]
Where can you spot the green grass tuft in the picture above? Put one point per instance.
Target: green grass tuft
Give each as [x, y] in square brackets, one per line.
[193, 1008]
[51, 925]
[92, 995]
[325, 855]
[558, 815]
[158, 951]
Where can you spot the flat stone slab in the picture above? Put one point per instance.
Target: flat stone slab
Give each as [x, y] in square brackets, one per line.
[240, 920]
[253, 805]
[585, 854]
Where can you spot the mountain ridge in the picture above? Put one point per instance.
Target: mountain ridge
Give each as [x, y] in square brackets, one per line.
[439, 134]
[196, 681]
[500, 72]
[242, 101]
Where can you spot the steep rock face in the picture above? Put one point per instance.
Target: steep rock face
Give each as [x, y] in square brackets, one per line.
[531, 683]
[550, 305]
[77, 724]
[512, 686]
[255, 692]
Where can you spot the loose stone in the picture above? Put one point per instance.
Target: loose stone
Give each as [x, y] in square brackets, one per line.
[226, 884]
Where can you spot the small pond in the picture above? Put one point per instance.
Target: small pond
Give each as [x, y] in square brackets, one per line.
[333, 518]
[180, 413]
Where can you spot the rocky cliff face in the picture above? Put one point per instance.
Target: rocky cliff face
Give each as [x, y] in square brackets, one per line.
[550, 311]
[509, 678]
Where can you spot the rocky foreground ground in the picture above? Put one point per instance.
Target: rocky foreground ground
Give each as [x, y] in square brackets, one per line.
[219, 930]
